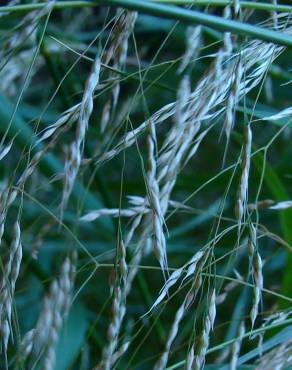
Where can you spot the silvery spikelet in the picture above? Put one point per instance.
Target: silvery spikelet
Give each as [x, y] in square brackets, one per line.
[193, 40]
[39, 343]
[10, 275]
[203, 341]
[215, 86]
[257, 274]
[154, 200]
[116, 54]
[76, 149]
[242, 197]
[235, 350]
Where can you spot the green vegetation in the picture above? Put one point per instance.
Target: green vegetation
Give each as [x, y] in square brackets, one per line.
[145, 184]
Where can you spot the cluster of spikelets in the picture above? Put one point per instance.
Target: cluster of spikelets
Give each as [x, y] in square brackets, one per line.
[193, 114]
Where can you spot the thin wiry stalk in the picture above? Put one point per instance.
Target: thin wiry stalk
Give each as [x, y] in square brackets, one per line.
[22, 8]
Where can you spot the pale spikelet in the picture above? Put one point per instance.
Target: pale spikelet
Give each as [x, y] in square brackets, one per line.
[154, 200]
[111, 352]
[26, 344]
[41, 341]
[252, 241]
[203, 341]
[232, 101]
[10, 275]
[114, 212]
[275, 15]
[116, 54]
[119, 353]
[176, 136]
[162, 362]
[39, 238]
[193, 40]
[66, 118]
[76, 149]
[190, 358]
[236, 6]
[258, 286]
[9, 195]
[277, 359]
[26, 29]
[273, 319]
[4, 195]
[242, 197]
[185, 271]
[12, 74]
[118, 313]
[235, 351]
[28, 171]
[282, 205]
[228, 288]
[227, 40]
[282, 114]
[261, 204]
[180, 144]
[225, 52]
[213, 90]
[4, 150]
[10, 3]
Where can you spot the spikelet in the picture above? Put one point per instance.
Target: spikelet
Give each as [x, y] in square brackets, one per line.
[232, 101]
[185, 271]
[118, 313]
[26, 29]
[274, 15]
[282, 114]
[10, 3]
[76, 149]
[227, 289]
[114, 212]
[256, 270]
[154, 200]
[242, 197]
[258, 286]
[189, 298]
[236, 6]
[226, 51]
[282, 205]
[10, 275]
[66, 118]
[40, 342]
[116, 54]
[111, 352]
[4, 150]
[193, 40]
[235, 351]
[277, 359]
[213, 90]
[203, 341]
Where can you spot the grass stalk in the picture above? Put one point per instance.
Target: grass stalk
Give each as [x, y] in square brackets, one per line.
[188, 16]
